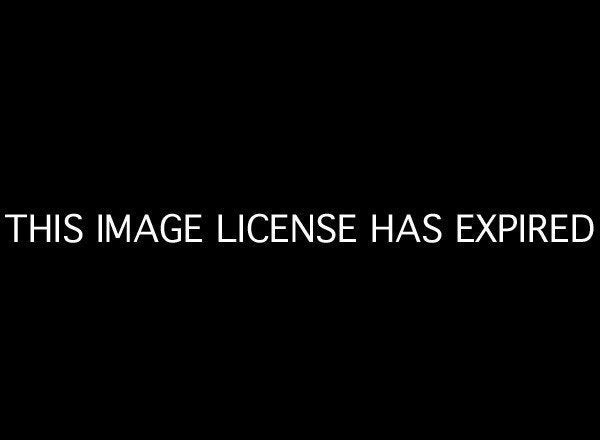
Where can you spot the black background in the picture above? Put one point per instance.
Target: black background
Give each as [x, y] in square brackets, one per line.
[386, 112]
